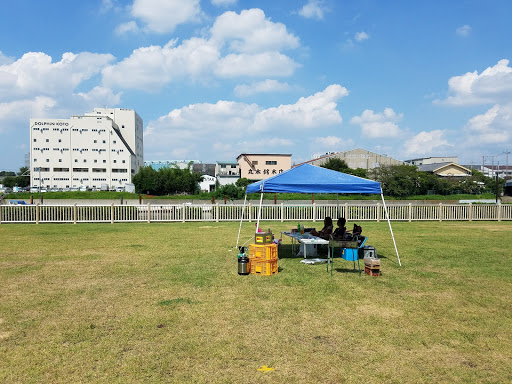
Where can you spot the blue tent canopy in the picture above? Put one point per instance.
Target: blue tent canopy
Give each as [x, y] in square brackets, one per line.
[307, 178]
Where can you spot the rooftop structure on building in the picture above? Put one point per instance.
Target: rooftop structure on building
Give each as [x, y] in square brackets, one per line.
[446, 169]
[103, 147]
[356, 158]
[432, 160]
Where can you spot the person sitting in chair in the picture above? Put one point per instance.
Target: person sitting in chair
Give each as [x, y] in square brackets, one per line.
[326, 231]
[339, 233]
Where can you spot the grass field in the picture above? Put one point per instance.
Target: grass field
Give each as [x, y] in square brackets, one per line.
[163, 303]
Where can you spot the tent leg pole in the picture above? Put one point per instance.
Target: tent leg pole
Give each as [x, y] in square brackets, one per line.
[259, 213]
[241, 220]
[390, 229]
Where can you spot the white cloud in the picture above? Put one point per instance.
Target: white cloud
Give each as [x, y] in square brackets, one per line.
[129, 27]
[15, 113]
[34, 85]
[266, 86]
[163, 16]
[245, 45]
[491, 127]
[4, 60]
[426, 143]
[493, 85]
[361, 36]
[309, 112]
[251, 32]
[35, 74]
[314, 9]
[106, 5]
[149, 68]
[233, 127]
[223, 3]
[98, 96]
[330, 143]
[261, 64]
[463, 31]
[375, 125]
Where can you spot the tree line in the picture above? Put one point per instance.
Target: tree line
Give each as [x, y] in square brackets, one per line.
[20, 179]
[407, 180]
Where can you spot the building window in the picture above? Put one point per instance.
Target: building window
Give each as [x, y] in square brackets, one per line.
[60, 140]
[95, 141]
[76, 160]
[47, 160]
[104, 142]
[85, 161]
[47, 140]
[255, 162]
[104, 161]
[95, 161]
[270, 162]
[223, 166]
[115, 142]
[35, 140]
[115, 161]
[124, 161]
[35, 160]
[60, 160]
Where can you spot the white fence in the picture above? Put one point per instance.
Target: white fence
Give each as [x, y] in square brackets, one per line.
[116, 213]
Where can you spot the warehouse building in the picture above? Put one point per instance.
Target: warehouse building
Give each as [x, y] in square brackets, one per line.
[104, 147]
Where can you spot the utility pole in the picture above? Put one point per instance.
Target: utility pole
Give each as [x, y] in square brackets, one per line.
[506, 169]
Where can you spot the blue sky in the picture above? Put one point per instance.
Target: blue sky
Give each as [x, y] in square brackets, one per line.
[215, 78]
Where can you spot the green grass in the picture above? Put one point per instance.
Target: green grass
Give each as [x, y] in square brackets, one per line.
[158, 303]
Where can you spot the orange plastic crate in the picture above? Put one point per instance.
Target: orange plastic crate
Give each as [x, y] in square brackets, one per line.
[264, 268]
[263, 252]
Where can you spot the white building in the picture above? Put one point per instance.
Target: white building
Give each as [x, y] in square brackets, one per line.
[227, 172]
[101, 147]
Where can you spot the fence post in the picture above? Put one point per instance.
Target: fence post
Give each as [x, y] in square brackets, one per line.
[75, 213]
[346, 212]
[410, 212]
[183, 212]
[112, 213]
[498, 207]
[470, 215]
[149, 213]
[282, 212]
[314, 212]
[440, 211]
[217, 210]
[250, 213]
[378, 212]
[37, 213]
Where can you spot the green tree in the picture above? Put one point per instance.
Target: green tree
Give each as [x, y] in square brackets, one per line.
[336, 164]
[19, 179]
[397, 180]
[230, 191]
[166, 181]
[243, 182]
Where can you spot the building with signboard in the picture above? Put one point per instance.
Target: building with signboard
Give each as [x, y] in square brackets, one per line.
[258, 166]
[104, 147]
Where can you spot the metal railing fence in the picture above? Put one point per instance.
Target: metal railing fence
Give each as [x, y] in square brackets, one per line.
[115, 213]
